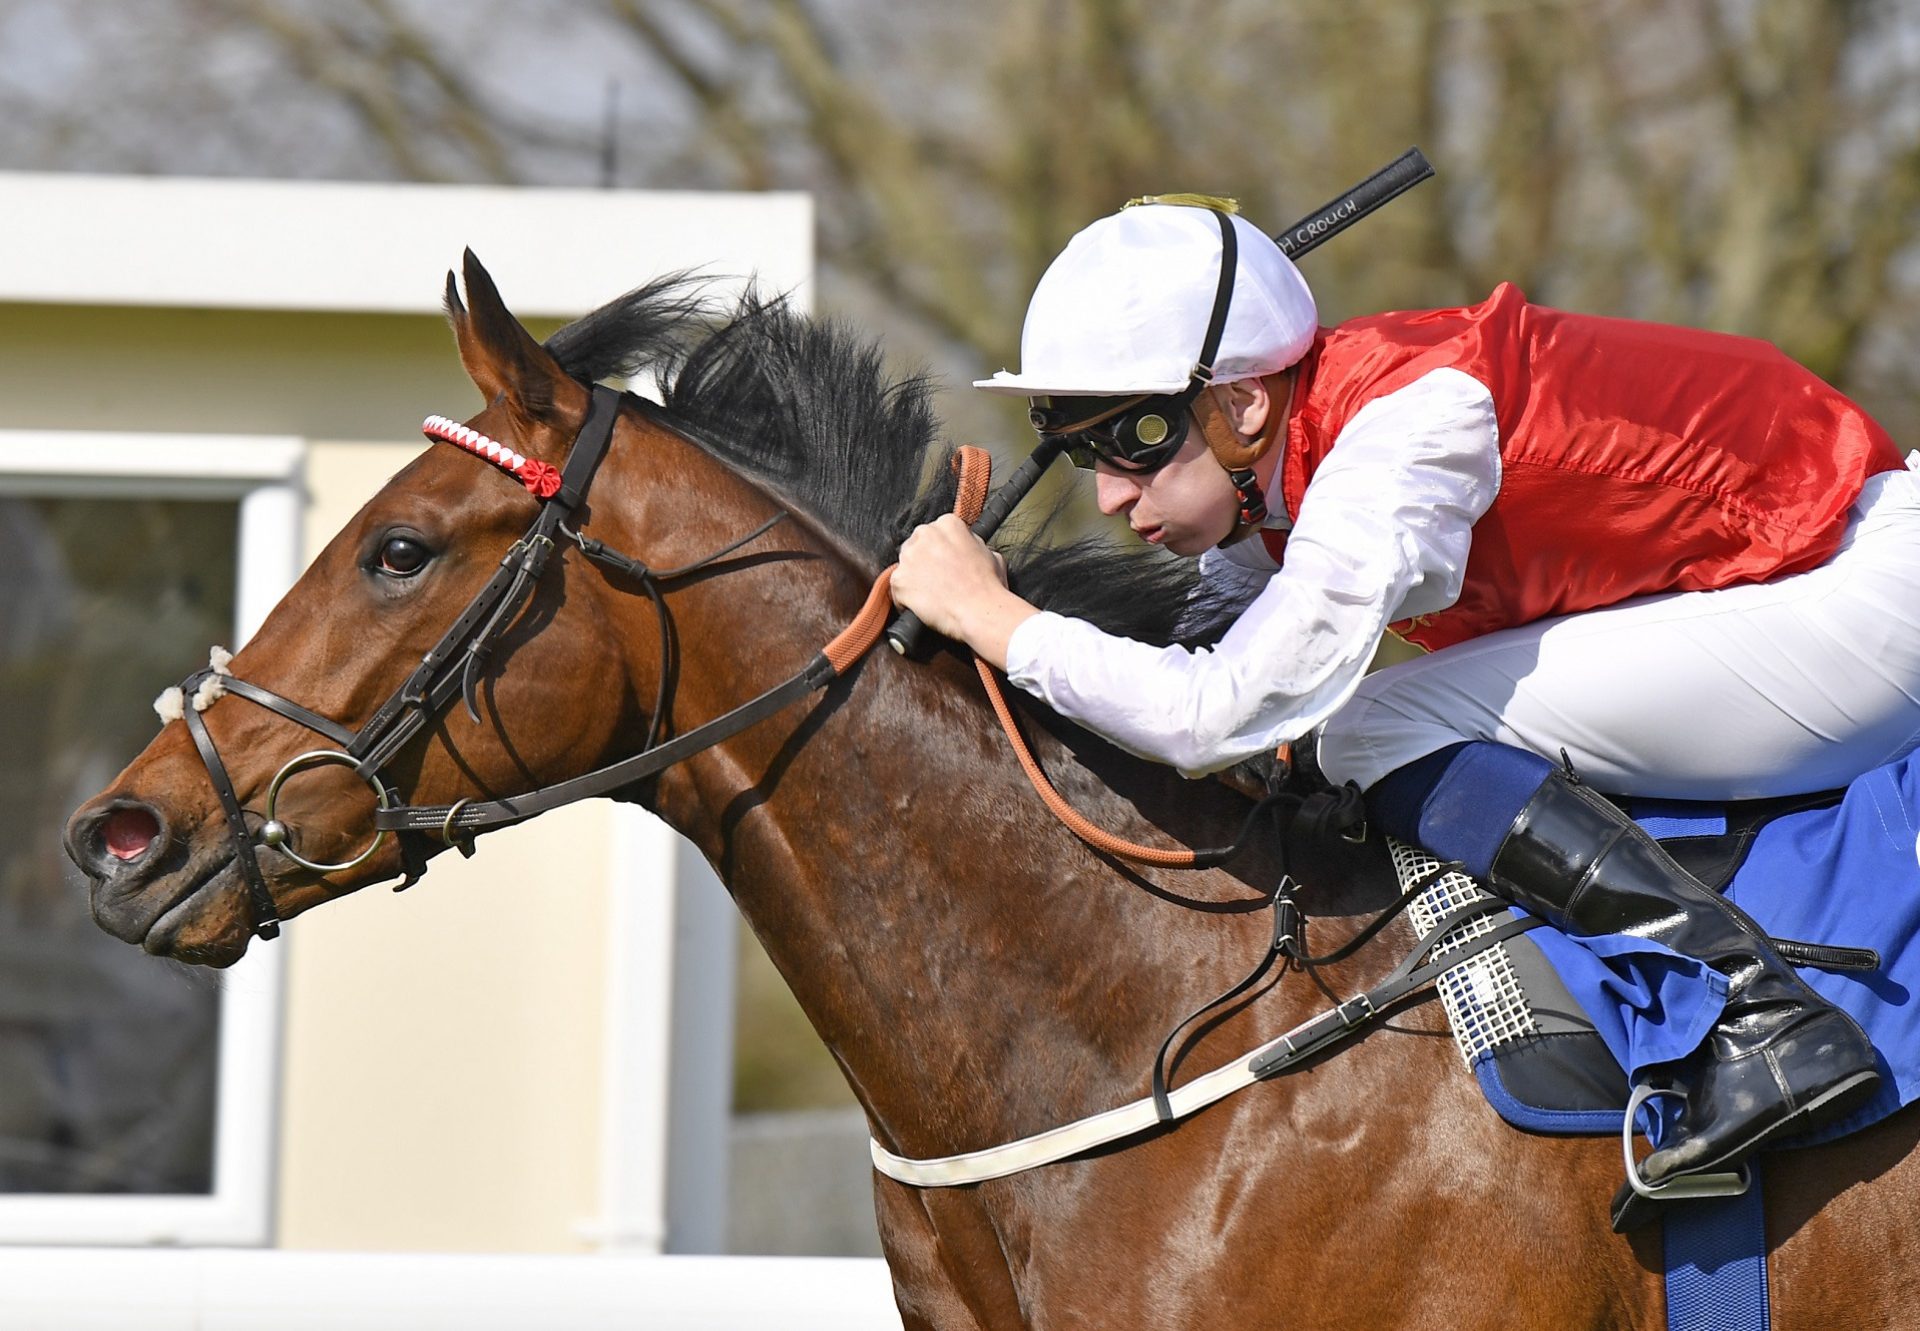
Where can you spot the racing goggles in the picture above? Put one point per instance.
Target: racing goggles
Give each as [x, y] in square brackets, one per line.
[1134, 433]
[1141, 432]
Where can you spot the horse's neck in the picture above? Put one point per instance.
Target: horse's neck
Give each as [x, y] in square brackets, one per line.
[976, 971]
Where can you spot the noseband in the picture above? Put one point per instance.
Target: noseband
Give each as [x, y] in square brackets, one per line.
[455, 666]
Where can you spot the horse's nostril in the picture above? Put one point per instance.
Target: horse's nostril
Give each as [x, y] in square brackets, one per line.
[127, 833]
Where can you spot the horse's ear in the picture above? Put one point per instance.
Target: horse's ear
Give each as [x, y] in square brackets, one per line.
[503, 359]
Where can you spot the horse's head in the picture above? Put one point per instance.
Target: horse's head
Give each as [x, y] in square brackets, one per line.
[166, 861]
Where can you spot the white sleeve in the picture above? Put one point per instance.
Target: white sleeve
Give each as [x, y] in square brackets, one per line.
[1382, 533]
[1229, 581]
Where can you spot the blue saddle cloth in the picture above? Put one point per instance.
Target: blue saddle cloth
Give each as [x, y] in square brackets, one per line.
[1847, 875]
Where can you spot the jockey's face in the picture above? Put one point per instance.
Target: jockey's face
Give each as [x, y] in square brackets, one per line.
[1187, 505]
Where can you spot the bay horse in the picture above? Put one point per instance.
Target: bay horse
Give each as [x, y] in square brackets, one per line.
[977, 972]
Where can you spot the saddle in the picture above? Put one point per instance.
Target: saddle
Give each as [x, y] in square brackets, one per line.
[1835, 877]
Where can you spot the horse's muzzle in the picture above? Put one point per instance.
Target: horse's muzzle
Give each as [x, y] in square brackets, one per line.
[151, 886]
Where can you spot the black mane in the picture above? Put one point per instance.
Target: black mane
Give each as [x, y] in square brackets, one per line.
[810, 410]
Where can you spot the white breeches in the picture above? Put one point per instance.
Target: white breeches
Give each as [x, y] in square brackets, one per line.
[1794, 685]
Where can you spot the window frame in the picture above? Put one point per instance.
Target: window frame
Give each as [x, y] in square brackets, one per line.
[264, 474]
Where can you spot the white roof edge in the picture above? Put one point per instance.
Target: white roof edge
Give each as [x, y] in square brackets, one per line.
[381, 248]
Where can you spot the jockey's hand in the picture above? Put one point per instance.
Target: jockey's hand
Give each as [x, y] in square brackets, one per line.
[958, 587]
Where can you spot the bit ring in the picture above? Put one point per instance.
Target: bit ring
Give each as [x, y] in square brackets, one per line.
[276, 833]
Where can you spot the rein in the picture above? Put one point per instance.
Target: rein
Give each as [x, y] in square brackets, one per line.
[1184, 857]
[1164, 1106]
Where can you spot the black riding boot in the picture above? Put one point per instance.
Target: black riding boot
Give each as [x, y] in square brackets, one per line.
[1779, 1062]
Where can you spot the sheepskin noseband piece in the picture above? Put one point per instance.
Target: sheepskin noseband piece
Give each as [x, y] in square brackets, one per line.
[541, 480]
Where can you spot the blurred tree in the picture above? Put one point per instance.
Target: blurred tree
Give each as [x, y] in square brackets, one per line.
[1736, 164]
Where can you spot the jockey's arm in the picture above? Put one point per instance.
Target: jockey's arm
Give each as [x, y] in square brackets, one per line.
[1383, 532]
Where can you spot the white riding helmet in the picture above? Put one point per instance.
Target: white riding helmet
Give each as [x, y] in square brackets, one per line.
[1125, 308]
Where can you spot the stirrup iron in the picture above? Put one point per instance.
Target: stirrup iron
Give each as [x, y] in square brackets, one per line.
[1636, 1204]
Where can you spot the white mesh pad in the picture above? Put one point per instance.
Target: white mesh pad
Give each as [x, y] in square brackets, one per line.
[1482, 995]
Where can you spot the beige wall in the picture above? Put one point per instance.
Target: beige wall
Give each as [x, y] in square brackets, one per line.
[366, 378]
[442, 1075]
[442, 1054]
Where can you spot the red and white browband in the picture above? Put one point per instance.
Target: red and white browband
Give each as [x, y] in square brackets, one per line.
[541, 479]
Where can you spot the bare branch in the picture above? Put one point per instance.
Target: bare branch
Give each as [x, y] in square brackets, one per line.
[718, 98]
[364, 82]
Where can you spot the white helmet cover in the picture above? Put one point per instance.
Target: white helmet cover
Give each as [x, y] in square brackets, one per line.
[1124, 308]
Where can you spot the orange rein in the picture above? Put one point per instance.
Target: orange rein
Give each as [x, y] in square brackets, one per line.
[974, 468]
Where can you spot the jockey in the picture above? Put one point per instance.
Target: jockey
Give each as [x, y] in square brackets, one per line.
[1675, 559]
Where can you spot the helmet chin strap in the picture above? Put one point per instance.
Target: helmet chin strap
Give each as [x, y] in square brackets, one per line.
[1237, 453]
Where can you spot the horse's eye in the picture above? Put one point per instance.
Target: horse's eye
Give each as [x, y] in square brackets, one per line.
[403, 556]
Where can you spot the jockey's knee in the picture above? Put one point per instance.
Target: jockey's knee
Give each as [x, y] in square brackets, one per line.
[1367, 738]
[1341, 748]
[1385, 726]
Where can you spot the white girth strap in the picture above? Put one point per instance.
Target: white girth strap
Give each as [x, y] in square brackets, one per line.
[1043, 1148]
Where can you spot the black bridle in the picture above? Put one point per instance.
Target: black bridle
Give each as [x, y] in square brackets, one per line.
[454, 667]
